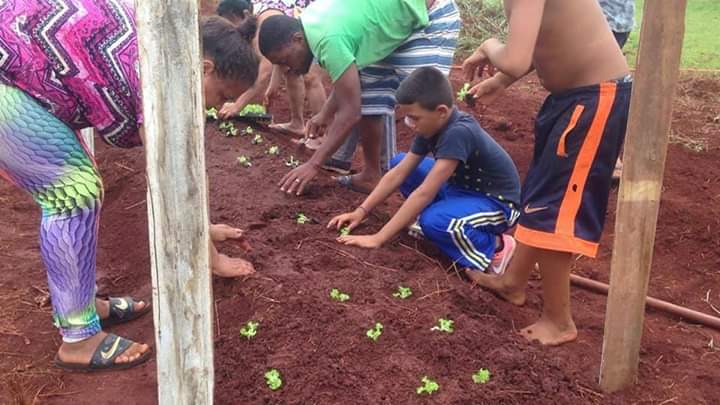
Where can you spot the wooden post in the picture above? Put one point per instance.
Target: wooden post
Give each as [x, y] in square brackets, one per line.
[648, 130]
[88, 135]
[169, 43]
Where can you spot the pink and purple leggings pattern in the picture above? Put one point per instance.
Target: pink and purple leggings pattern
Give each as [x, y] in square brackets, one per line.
[44, 157]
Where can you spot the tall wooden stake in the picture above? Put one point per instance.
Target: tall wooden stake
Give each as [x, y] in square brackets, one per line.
[648, 130]
[169, 42]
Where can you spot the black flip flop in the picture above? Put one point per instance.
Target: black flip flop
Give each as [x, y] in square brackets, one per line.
[261, 119]
[123, 310]
[103, 358]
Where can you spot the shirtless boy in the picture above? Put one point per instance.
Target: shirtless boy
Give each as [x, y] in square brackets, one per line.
[578, 135]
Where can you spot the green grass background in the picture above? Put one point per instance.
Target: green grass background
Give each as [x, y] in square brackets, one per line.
[701, 48]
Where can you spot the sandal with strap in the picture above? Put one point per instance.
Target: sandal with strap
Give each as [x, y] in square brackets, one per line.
[123, 310]
[104, 356]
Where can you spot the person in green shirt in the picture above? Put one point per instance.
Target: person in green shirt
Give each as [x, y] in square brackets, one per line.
[368, 47]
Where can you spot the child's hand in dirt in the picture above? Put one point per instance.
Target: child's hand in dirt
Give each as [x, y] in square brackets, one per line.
[487, 91]
[363, 241]
[349, 219]
[229, 110]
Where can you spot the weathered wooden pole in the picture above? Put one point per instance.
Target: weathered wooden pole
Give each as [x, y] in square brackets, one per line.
[169, 42]
[648, 131]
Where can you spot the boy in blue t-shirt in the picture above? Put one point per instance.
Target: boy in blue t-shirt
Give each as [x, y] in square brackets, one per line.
[465, 198]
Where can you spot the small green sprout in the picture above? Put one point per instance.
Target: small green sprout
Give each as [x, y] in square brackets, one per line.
[252, 109]
[482, 376]
[273, 379]
[429, 386]
[375, 332]
[302, 219]
[273, 150]
[345, 231]
[245, 161]
[337, 295]
[444, 325]
[249, 330]
[292, 162]
[463, 92]
[228, 128]
[247, 131]
[258, 139]
[211, 113]
[402, 292]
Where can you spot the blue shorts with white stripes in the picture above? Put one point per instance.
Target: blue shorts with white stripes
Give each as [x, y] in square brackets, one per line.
[462, 223]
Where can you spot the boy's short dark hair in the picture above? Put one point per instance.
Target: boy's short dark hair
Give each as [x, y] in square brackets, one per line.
[230, 48]
[426, 86]
[234, 8]
[276, 32]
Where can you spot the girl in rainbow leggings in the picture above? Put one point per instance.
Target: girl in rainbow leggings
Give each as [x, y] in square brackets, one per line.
[67, 65]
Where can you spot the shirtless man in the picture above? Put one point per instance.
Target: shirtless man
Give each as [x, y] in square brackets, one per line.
[579, 132]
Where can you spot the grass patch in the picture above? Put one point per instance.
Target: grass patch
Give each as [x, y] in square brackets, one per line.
[702, 30]
[482, 19]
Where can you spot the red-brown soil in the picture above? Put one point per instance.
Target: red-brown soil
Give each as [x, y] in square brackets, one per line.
[320, 345]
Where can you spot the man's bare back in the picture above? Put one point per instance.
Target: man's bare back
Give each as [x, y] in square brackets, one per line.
[575, 47]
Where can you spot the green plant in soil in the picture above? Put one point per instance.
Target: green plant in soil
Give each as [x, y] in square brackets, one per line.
[245, 161]
[338, 295]
[444, 325]
[302, 219]
[258, 139]
[228, 128]
[252, 109]
[292, 162]
[247, 131]
[464, 95]
[375, 332]
[428, 386]
[402, 292]
[249, 330]
[273, 150]
[211, 113]
[344, 231]
[482, 376]
[273, 379]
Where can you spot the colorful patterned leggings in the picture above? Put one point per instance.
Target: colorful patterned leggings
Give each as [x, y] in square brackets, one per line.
[43, 156]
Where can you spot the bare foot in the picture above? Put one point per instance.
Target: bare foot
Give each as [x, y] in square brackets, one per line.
[222, 232]
[313, 143]
[361, 182]
[103, 307]
[225, 266]
[81, 352]
[550, 333]
[294, 128]
[498, 286]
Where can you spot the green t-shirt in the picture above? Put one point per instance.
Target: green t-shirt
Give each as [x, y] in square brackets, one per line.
[342, 32]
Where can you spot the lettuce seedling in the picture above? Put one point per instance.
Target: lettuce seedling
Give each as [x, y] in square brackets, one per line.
[302, 219]
[337, 295]
[228, 128]
[245, 161]
[464, 95]
[252, 109]
[273, 150]
[292, 162]
[429, 386]
[482, 376]
[249, 330]
[444, 325]
[258, 139]
[375, 332]
[247, 131]
[273, 379]
[211, 113]
[402, 292]
[345, 231]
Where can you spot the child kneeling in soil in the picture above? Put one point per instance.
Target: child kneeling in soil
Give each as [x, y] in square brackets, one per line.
[465, 198]
[578, 135]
